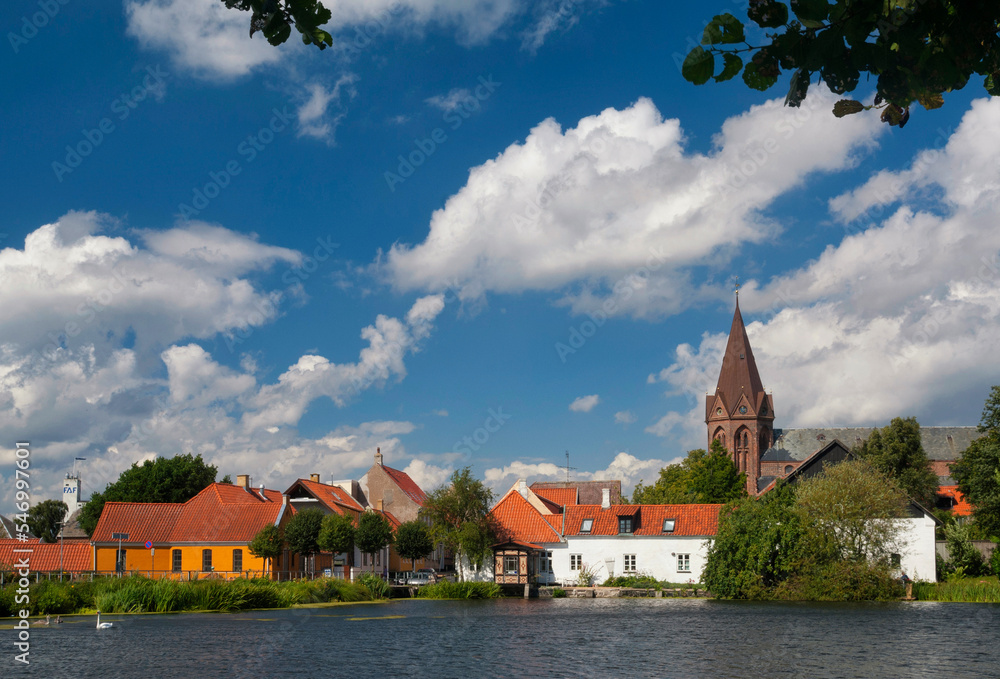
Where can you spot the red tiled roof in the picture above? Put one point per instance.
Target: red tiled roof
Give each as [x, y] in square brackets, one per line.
[559, 496]
[522, 522]
[961, 506]
[691, 520]
[335, 498]
[406, 484]
[587, 492]
[76, 556]
[393, 521]
[220, 513]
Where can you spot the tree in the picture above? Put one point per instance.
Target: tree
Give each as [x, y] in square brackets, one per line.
[961, 552]
[977, 471]
[45, 519]
[276, 18]
[702, 477]
[851, 512]
[413, 541]
[374, 533]
[302, 532]
[897, 452]
[916, 50]
[165, 479]
[460, 518]
[337, 534]
[758, 546]
[267, 544]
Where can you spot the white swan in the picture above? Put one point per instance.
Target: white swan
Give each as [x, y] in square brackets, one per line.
[103, 625]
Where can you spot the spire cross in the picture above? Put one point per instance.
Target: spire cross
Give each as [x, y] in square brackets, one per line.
[737, 287]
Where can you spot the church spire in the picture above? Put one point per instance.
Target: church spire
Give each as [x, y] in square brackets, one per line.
[739, 369]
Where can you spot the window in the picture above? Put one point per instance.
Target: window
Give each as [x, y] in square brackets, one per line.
[545, 562]
[630, 563]
[668, 525]
[587, 525]
[237, 560]
[510, 565]
[549, 556]
[120, 560]
[624, 524]
[206, 559]
[176, 554]
[683, 563]
[895, 560]
[575, 562]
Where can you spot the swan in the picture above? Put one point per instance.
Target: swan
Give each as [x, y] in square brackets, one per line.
[103, 625]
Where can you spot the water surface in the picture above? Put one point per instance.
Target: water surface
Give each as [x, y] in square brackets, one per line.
[554, 638]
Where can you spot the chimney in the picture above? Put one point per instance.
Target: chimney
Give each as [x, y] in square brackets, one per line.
[378, 505]
[284, 500]
[243, 480]
[522, 488]
[261, 491]
[314, 478]
[605, 498]
[378, 456]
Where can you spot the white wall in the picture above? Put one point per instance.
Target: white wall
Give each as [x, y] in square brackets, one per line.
[655, 556]
[919, 549]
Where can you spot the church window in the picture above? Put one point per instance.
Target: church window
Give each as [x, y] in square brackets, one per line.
[743, 410]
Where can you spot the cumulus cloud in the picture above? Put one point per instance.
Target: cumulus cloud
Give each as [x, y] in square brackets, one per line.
[427, 476]
[899, 318]
[625, 467]
[625, 417]
[584, 404]
[615, 213]
[98, 358]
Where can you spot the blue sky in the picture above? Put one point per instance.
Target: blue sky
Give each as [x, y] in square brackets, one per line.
[479, 233]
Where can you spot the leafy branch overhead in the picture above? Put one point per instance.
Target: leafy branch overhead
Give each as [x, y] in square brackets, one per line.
[916, 50]
[274, 19]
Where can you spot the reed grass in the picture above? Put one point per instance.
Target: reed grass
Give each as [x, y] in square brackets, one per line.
[977, 590]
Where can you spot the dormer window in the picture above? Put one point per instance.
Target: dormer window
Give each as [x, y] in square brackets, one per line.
[624, 524]
[668, 525]
[587, 525]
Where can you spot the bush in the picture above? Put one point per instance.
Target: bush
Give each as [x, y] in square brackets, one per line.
[558, 593]
[376, 586]
[636, 581]
[842, 581]
[961, 552]
[995, 560]
[460, 590]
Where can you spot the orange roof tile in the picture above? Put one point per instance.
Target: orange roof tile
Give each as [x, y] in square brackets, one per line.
[524, 523]
[691, 520]
[220, 513]
[406, 484]
[560, 496]
[76, 556]
[335, 498]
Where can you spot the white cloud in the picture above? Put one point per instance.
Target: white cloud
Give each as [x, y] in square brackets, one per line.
[427, 476]
[451, 101]
[440, 413]
[899, 318]
[584, 404]
[625, 417]
[625, 467]
[615, 211]
[315, 119]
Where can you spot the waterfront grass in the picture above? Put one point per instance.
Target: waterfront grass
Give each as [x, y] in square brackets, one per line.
[979, 590]
[646, 582]
[460, 590]
[138, 594]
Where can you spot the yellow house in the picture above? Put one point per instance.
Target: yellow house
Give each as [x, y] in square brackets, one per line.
[206, 536]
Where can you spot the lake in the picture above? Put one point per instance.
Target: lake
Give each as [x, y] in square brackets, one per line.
[541, 638]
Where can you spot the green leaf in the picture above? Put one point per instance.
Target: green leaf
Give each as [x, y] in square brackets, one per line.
[993, 84]
[755, 80]
[731, 66]
[723, 28]
[846, 107]
[797, 88]
[930, 100]
[768, 13]
[698, 66]
[812, 13]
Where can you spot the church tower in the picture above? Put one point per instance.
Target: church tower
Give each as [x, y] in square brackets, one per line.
[739, 414]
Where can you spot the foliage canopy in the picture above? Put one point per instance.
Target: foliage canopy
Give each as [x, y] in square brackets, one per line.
[460, 517]
[897, 452]
[914, 50]
[373, 533]
[413, 541]
[337, 534]
[302, 532]
[45, 518]
[165, 479]
[977, 471]
[702, 477]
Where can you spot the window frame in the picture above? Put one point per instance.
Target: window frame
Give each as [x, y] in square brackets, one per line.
[587, 526]
[120, 559]
[509, 559]
[683, 563]
[176, 560]
[206, 560]
[576, 562]
[626, 522]
[629, 563]
[238, 567]
[672, 527]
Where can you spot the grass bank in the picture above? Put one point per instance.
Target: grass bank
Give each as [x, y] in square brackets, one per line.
[979, 590]
[460, 590]
[137, 594]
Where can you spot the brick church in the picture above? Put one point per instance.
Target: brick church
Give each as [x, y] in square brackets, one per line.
[740, 415]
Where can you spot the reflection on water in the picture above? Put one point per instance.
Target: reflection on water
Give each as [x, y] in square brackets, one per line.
[556, 638]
